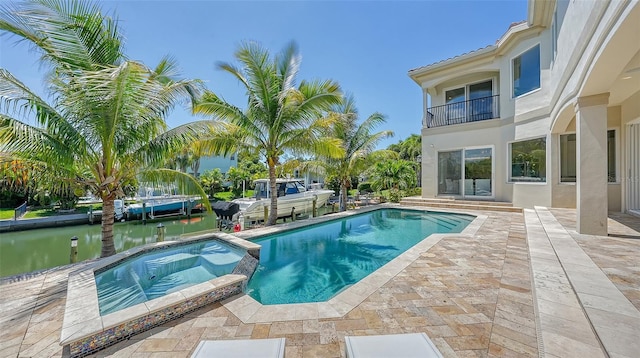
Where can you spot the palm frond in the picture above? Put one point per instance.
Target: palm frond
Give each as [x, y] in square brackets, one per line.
[71, 34]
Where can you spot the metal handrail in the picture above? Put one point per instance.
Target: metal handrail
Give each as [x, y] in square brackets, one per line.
[19, 211]
[478, 109]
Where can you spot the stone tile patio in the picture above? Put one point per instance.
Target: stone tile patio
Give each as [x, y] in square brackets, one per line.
[471, 294]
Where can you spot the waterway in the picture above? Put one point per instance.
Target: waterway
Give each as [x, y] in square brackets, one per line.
[33, 250]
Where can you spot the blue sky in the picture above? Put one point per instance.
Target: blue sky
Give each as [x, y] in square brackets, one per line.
[367, 46]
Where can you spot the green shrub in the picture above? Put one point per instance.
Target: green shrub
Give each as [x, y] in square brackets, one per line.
[413, 192]
[395, 195]
[365, 187]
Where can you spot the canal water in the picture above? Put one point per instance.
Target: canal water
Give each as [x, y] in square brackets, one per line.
[33, 250]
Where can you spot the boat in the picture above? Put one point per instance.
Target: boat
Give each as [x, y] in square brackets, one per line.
[155, 204]
[293, 197]
[154, 207]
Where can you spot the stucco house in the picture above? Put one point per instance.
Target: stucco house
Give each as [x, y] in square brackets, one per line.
[549, 115]
[220, 162]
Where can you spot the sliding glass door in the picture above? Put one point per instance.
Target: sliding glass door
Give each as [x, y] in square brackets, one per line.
[481, 101]
[449, 172]
[478, 171]
[466, 172]
[456, 105]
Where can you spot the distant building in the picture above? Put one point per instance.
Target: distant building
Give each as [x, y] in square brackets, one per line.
[549, 115]
[220, 162]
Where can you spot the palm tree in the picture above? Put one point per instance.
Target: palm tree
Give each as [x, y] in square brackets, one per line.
[279, 117]
[105, 126]
[358, 143]
[393, 174]
[408, 149]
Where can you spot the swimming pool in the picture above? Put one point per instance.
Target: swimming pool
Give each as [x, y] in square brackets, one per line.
[161, 272]
[314, 263]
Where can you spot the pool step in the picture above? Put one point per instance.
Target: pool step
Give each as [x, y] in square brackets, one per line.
[460, 204]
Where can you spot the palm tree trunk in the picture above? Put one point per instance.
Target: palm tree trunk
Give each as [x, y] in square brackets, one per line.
[273, 211]
[195, 167]
[108, 211]
[343, 197]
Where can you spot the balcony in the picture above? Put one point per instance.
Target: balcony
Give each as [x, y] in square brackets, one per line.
[474, 110]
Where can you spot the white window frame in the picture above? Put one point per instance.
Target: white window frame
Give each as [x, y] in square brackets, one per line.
[466, 88]
[462, 170]
[511, 79]
[493, 171]
[616, 135]
[546, 158]
[560, 160]
[554, 35]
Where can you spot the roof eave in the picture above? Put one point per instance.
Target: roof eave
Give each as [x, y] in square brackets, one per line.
[540, 12]
[454, 61]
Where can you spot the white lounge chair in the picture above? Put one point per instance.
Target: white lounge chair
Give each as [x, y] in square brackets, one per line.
[241, 348]
[410, 345]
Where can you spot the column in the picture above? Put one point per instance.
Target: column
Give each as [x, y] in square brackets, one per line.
[591, 164]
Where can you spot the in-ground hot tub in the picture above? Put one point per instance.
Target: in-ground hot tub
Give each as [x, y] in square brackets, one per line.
[146, 286]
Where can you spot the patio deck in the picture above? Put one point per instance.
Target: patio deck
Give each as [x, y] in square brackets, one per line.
[474, 296]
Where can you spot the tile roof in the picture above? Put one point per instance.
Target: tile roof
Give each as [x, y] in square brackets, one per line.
[452, 58]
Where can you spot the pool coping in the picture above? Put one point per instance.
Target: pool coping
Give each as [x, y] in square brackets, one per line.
[86, 331]
[248, 310]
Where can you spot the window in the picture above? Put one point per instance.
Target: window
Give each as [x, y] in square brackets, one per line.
[449, 172]
[466, 172]
[528, 160]
[568, 157]
[554, 34]
[478, 169]
[526, 72]
[611, 156]
[556, 24]
[456, 106]
[473, 102]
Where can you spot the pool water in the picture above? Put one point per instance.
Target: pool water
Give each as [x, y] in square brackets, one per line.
[315, 263]
[160, 272]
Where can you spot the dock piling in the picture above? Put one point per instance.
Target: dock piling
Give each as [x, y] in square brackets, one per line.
[161, 232]
[73, 257]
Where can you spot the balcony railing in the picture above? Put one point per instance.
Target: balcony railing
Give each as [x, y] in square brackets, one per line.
[474, 110]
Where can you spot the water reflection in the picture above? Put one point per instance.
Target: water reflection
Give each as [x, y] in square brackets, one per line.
[32, 250]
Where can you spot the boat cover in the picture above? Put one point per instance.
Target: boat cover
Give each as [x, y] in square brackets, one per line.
[225, 208]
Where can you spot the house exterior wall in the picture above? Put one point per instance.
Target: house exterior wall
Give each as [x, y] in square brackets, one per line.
[484, 134]
[595, 40]
[222, 163]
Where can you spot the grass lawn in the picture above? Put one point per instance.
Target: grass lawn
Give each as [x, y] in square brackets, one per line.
[7, 213]
[228, 196]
